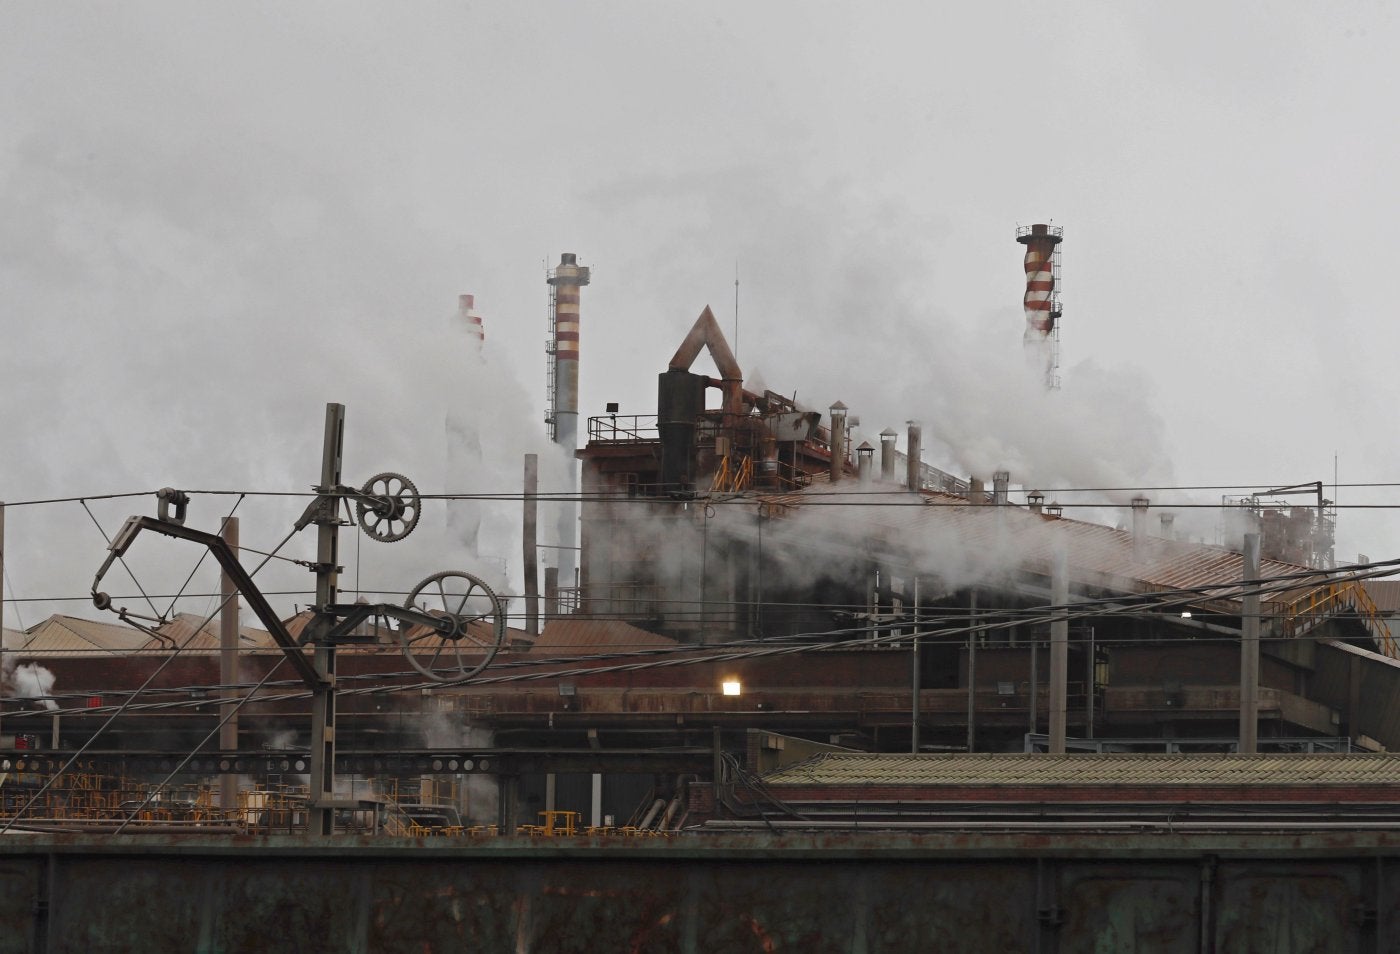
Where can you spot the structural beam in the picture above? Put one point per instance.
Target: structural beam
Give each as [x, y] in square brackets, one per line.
[1059, 653]
[1249, 649]
[228, 667]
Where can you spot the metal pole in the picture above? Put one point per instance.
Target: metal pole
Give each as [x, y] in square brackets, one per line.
[1059, 652]
[321, 814]
[551, 593]
[228, 669]
[2, 585]
[531, 543]
[915, 678]
[972, 674]
[1249, 650]
[1035, 688]
[1089, 720]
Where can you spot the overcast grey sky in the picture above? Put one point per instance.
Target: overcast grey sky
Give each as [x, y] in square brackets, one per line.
[218, 217]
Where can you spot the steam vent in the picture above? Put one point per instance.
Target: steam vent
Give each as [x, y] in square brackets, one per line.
[749, 689]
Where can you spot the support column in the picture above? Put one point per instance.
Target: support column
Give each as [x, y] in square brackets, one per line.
[507, 803]
[915, 678]
[228, 669]
[551, 593]
[2, 576]
[531, 544]
[972, 673]
[321, 814]
[1035, 686]
[1059, 652]
[1249, 649]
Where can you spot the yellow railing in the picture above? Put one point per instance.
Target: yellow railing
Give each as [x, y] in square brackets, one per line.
[1316, 605]
[732, 478]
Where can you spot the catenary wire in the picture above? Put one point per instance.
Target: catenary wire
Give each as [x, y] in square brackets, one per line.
[130, 700]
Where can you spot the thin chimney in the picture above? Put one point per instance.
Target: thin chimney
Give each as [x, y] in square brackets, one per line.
[838, 440]
[887, 438]
[1140, 505]
[915, 473]
[1001, 485]
[865, 456]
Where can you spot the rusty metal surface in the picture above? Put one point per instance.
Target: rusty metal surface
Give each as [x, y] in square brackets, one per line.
[568, 635]
[834, 892]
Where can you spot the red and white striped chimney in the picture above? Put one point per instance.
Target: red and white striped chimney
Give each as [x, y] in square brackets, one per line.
[565, 282]
[1041, 300]
[466, 313]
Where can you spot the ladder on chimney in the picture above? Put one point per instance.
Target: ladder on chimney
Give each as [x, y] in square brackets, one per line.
[551, 345]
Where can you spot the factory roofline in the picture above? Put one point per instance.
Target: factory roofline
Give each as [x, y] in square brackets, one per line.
[1098, 555]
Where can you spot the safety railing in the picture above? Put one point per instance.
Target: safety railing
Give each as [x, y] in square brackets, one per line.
[623, 427]
[731, 477]
[1323, 602]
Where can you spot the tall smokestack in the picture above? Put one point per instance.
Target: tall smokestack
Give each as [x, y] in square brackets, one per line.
[566, 280]
[1042, 299]
[838, 440]
[1168, 530]
[915, 475]
[887, 438]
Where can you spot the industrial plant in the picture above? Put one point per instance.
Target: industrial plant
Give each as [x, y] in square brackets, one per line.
[782, 685]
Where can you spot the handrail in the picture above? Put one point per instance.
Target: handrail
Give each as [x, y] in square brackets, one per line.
[732, 479]
[623, 427]
[1314, 606]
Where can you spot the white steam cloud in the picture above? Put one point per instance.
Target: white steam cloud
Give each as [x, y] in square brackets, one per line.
[31, 681]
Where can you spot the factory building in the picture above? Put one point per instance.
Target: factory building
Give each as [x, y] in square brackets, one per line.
[783, 641]
[873, 605]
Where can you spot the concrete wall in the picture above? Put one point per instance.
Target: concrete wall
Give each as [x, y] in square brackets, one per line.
[835, 892]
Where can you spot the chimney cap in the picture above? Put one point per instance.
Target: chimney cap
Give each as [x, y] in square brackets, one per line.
[865, 448]
[838, 406]
[568, 258]
[1140, 502]
[889, 433]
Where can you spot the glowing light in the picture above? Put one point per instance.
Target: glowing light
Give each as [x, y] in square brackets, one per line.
[731, 687]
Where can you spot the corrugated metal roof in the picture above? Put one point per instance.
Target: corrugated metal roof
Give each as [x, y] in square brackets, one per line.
[1118, 769]
[181, 631]
[990, 539]
[70, 636]
[596, 635]
[1386, 593]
